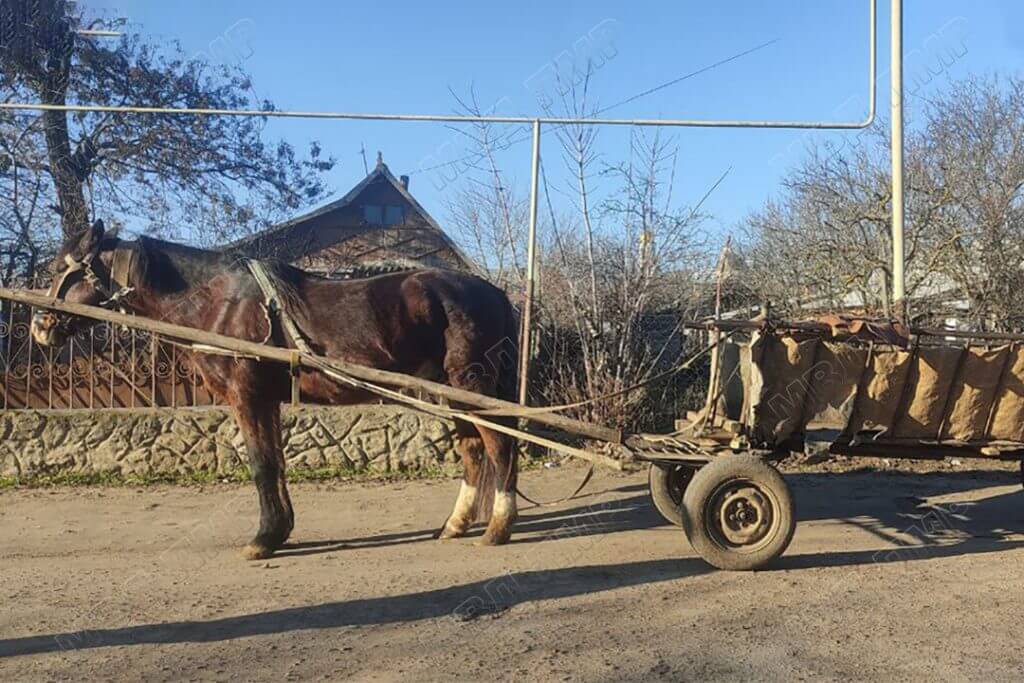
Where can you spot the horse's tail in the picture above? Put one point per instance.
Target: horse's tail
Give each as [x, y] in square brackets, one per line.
[506, 366]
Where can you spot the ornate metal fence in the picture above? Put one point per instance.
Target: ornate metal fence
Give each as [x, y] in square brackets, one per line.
[102, 367]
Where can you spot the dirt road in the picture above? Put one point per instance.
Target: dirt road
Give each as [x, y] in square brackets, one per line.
[890, 576]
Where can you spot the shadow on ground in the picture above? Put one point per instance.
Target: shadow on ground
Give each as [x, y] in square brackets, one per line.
[462, 603]
[892, 506]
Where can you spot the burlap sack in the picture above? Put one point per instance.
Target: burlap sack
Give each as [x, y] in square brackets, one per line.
[973, 394]
[930, 380]
[785, 369]
[879, 399]
[1008, 419]
[833, 387]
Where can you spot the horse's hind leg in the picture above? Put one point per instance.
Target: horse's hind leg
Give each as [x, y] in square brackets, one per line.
[468, 367]
[260, 425]
[470, 448]
[504, 468]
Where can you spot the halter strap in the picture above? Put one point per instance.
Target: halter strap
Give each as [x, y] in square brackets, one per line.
[117, 284]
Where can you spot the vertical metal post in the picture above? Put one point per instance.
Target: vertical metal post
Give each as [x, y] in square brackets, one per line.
[154, 352]
[898, 258]
[296, 369]
[71, 373]
[526, 336]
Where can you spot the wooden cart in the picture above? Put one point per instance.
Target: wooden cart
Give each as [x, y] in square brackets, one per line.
[799, 387]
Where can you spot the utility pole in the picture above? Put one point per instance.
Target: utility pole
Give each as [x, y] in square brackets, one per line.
[899, 285]
[526, 334]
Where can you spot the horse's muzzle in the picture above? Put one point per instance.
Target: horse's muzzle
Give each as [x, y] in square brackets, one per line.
[46, 329]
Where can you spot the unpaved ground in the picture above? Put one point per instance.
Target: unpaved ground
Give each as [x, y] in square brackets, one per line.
[118, 584]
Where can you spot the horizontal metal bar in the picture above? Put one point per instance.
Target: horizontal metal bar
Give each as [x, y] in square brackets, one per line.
[455, 118]
[98, 33]
[968, 334]
[694, 123]
[813, 326]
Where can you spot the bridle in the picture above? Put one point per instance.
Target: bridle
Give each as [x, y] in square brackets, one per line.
[113, 283]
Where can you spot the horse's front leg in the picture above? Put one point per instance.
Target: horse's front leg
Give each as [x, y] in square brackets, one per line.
[260, 424]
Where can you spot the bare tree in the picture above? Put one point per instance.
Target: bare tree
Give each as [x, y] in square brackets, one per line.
[826, 242]
[975, 159]
[25, 195]
[195, 177]
[485, 210]
[628, 268]
[621, 263]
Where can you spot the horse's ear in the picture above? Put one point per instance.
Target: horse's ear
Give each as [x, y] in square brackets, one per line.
[97, 231]
[88, 241]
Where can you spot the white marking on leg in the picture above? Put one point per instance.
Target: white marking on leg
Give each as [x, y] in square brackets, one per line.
[505, 506]
[460, 517]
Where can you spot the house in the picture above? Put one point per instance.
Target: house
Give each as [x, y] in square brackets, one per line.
[376, 227]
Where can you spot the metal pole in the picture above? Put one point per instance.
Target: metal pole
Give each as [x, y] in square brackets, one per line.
[526, 336]
[455, 118]
[898, 276]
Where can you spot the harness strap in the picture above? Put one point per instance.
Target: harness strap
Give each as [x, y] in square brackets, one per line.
[266, 285]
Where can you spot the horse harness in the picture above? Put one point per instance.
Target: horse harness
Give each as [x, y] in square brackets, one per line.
[114, 286]
[273, 304]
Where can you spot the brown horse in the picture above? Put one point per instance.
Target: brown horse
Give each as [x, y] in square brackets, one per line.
[440, 325]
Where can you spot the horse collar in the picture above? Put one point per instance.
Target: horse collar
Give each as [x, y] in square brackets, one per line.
[120, 276]
[117, 285]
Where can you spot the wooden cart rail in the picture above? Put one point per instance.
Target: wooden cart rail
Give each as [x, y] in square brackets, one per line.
[370, 379]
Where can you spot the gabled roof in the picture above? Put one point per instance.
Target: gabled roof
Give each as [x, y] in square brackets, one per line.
[381, 173]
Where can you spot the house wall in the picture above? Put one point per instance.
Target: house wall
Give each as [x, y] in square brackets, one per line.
[351, 242]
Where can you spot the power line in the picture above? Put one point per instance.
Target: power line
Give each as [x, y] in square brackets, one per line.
[633, 98]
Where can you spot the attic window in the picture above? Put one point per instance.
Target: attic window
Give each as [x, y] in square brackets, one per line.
[375, 214]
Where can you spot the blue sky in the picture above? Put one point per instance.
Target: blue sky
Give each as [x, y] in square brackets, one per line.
[406, 56]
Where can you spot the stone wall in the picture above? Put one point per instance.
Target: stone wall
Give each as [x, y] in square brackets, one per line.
[168, 441]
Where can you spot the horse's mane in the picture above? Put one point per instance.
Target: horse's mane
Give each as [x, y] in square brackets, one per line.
[174, 268]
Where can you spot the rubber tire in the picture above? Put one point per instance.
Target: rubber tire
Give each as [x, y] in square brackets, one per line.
[659, 485]
[704, 484]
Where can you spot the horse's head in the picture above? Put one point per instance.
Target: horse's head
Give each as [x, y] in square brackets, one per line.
[83, 273]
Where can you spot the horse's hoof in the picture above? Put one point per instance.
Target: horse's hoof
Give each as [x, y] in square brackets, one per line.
[256, 551]
[447, 533]
[494, 538]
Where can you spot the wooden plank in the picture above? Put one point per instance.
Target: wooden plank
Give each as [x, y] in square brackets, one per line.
[284, 355]
[732, 426]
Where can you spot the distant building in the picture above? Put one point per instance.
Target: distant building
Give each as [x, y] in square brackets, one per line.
[376, 227]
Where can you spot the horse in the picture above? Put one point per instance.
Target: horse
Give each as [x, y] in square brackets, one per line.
[441, 325]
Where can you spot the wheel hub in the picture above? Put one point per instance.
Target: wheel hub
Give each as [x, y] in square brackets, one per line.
[744, 515]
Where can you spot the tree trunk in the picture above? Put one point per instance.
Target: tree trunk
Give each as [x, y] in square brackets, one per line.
[66, 178]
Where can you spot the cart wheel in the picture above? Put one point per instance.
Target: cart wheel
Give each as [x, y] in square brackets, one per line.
[666, 484]
[738, 512]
